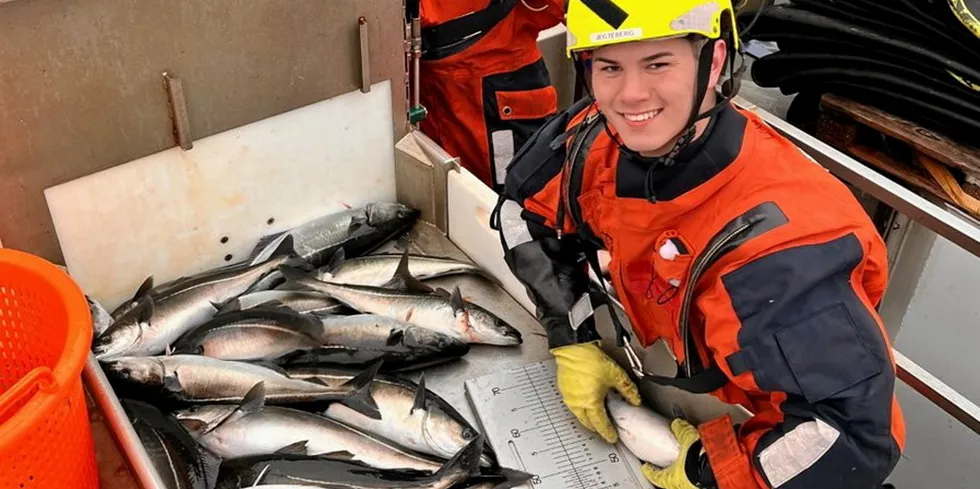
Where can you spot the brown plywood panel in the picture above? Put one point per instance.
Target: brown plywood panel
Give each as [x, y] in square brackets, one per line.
[81, 86]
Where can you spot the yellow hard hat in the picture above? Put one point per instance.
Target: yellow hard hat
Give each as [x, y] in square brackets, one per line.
[595, 23]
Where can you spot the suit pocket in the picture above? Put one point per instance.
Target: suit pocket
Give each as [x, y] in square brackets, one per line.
[515, 105]
[825, 354]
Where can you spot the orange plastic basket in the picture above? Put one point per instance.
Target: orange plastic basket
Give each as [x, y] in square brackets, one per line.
[45, 336]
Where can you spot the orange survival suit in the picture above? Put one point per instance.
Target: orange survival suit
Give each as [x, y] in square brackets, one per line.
[483, 80]
[758, 269]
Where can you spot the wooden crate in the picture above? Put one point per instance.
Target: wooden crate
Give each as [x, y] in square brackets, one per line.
[922, 159]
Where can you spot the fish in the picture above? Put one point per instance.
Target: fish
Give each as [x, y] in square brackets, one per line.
[252, 334]
[361, 339]
[284, 470]
[101, 319]
[167, 312]
[501, 478]
[302, 301]
[411, 301]
[377, 270]
[254, 429]
[644, 432]
[200, 379]
[411, 415]
[358, 231]
[177, 458]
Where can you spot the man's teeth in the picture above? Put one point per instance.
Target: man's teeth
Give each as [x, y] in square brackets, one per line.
[641, 117]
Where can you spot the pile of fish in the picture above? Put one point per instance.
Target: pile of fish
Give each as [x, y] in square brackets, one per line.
[285, 370]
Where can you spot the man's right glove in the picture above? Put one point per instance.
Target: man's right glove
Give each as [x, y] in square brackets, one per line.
[585, 375]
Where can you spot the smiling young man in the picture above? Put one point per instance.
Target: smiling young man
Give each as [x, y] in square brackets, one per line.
[759, 269]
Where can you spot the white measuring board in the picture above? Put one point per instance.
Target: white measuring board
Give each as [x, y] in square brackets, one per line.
[531, 430]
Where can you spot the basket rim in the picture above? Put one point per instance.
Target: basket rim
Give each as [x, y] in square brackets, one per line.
[68, 369]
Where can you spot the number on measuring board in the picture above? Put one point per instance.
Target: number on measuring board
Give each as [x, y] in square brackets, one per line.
[613, 458]
[535, 480]
[495, 391]
[515, 433]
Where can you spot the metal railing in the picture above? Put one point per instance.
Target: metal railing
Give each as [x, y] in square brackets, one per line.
[947, 223]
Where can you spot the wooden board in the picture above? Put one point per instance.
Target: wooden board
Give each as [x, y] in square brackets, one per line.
[166, 214]
[470, 205]
[81, 86]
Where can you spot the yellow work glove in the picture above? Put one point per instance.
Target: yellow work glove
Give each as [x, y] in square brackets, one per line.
[675, 476]
[585, 375]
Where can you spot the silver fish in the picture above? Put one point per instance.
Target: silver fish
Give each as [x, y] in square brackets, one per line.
[361, 339]
[644, 432]
[283, 470]
[252, 334]
[200, 379]
[302, 301]
[359, 231]
[377, 270]
[411, 415]
[253, 429]
[167, 312]
[442, 312]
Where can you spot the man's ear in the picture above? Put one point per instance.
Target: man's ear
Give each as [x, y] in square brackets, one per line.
[719, 58]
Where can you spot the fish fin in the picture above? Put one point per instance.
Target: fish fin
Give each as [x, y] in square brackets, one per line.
[233, 305]
[254, 400]
[336, 261]
[361, 400]
[170, 350]
[266, 247]
[419, 396]
[298, 448]
[456, 300]
[513, 478]
[466, 460]
[144, 311]
[144, 289]
[403, 279]
[443, 292]
[395, 337]
[356, 223]
[342, 455]
[172, 383]
[295, 276]
[317, 381]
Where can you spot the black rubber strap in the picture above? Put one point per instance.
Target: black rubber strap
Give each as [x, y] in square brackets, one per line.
[704, 382]
[608, 11]
[453, 36]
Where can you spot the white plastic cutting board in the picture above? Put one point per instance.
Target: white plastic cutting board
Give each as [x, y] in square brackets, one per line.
[166, 214]
[470, 204]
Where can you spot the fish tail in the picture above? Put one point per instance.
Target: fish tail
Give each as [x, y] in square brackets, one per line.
[361, 399]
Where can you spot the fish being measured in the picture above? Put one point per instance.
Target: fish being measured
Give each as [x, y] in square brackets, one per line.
[439, 311]
[200, 379]
[365, 338]
[254, 429]
[253, 334]
[167, 312]
[644, 432]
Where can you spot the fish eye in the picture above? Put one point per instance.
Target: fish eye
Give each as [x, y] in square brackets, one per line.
[468, 434]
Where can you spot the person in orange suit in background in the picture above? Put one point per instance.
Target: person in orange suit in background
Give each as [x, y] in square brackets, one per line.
[483, 80]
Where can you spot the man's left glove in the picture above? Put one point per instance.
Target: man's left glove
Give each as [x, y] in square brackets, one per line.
[675, 476]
